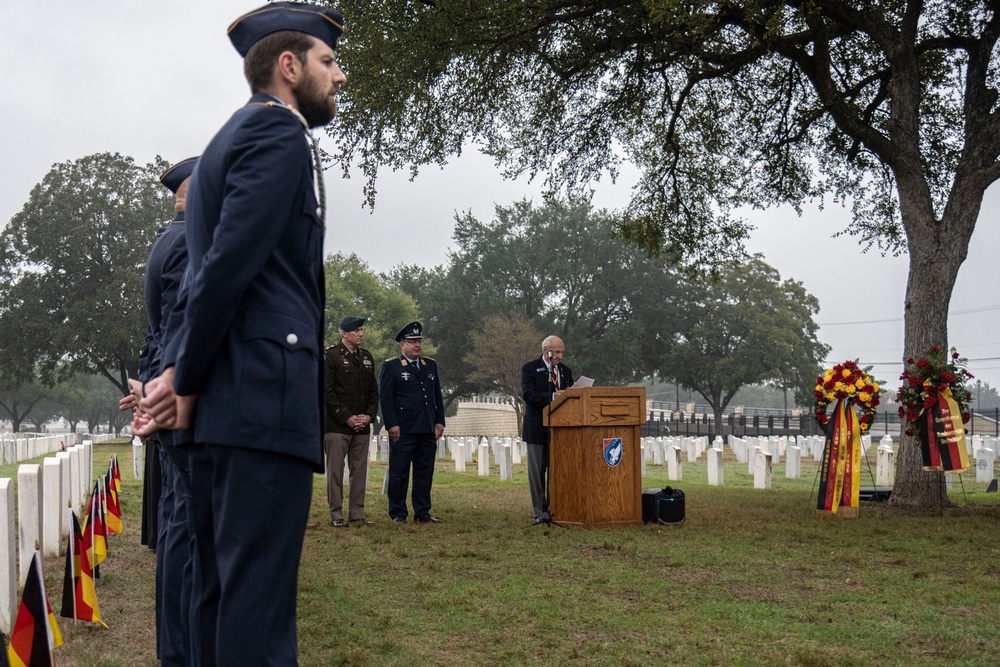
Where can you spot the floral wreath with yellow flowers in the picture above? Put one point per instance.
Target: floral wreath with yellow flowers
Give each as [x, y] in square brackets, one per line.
[924, 378]
[847, 381]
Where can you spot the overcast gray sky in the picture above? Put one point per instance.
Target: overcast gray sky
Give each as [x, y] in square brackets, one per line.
[147, 78]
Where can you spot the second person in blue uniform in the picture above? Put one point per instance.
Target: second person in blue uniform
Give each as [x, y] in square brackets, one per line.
[409, 390]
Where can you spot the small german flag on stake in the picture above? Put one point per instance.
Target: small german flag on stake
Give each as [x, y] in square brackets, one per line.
[114, 514]
[36, 632]
[79, 595]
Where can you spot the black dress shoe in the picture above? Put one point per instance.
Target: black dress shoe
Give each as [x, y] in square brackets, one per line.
[427, 518]
[339, 523]
[363, 521]
[399, 519]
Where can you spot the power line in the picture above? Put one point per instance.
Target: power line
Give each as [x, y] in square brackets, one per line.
[900, 363]
[965, 311]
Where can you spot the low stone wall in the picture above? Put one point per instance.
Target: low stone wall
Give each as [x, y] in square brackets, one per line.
[483, 419]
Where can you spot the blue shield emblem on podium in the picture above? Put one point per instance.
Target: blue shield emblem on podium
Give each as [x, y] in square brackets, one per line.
[612, 451]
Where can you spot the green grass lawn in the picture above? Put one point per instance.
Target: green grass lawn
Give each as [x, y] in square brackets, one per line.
[752, 577]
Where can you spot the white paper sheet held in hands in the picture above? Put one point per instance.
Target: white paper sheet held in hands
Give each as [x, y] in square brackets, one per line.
[584, 381]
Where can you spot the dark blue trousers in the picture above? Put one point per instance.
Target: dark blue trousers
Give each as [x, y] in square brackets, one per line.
[249, 509]
[416, 450]
[174, 561]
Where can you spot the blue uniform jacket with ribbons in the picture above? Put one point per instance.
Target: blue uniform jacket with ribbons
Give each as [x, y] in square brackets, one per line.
[250, 344]
[410, 395]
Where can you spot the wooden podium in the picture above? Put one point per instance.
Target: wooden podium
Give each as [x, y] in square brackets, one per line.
[590, 483]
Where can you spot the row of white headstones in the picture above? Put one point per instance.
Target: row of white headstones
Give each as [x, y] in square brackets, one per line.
[39, 517]
[759, 453]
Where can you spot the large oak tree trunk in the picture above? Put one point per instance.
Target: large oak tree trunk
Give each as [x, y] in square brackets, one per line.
[937, 249]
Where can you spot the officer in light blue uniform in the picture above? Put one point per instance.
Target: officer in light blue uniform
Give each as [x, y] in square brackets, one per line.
[244, 370]
[409, 390]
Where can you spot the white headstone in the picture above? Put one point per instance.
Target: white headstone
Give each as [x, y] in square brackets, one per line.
[718, 443]
[383, 448]
[642, 460]
[484, 460]
[29, 515]
[818, 444]
[793, 463]
[884, 465]
[674, 464]
[76, 479]
[63, 458]
[692, 450]
[773, 444]
[715, 474]
[88, 460]
[515, 450]
[460, 457]
[739, 448]
[752, 458]
[984, 466]
[136, 465]
[658, 452]
[8, 558]
[506, 462]
[373, 448]
[52, 506]
[762, 470]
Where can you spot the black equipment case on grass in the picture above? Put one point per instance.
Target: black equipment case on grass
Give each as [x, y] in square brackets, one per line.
[664, 505]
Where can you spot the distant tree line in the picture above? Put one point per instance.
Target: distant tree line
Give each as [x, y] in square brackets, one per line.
[72, 306]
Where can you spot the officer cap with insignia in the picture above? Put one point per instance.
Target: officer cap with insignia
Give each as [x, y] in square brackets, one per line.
[351, 323]
[174, 177]
[411, 331]
[322, 23]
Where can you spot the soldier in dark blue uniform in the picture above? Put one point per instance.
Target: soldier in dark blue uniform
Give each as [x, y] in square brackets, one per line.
[161, 509]
[409, 390]
[248, 355]
[164, 273]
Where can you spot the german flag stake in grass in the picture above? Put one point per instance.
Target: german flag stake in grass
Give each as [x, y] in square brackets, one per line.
[36, 632]
[79, 594]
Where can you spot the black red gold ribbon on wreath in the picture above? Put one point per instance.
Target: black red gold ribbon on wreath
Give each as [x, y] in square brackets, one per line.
[840, 470]
[942, 433]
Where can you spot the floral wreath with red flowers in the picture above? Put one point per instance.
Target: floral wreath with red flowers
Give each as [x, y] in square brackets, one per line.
[847, 381]
[937, 368]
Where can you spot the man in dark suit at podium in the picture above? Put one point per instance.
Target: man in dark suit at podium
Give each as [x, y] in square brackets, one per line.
[542, 380]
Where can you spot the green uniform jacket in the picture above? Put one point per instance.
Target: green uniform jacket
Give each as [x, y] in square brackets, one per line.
[350, 387]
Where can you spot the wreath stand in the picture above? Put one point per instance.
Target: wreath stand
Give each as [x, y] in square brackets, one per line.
[943, 485]
[816, 479]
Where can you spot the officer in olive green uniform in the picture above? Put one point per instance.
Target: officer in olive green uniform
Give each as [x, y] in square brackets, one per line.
[351, 399]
